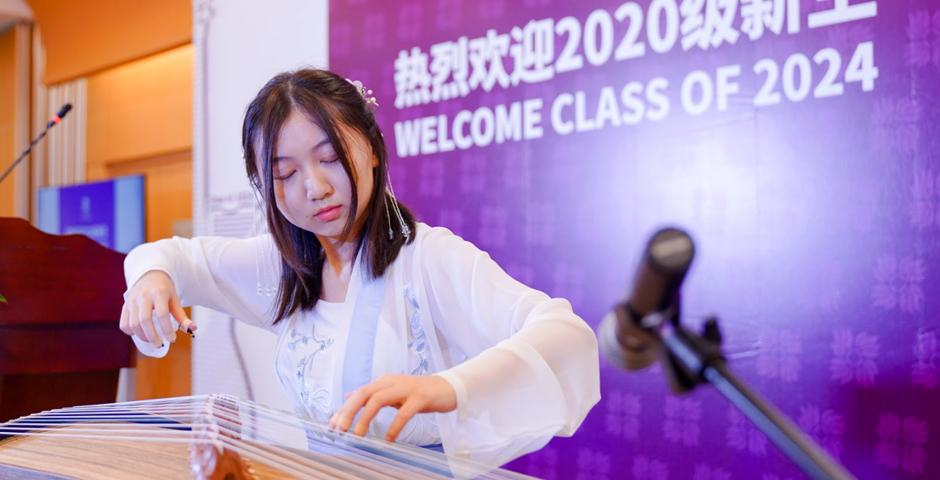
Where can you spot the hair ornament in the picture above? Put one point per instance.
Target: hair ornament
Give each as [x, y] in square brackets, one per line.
[364, 92]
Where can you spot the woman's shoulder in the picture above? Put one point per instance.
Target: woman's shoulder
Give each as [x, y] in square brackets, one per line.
[232, 252]
[424, 230]
[435, 244]
[428, 236]
[263, 238]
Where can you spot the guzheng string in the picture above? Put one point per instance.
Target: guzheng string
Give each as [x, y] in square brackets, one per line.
[250, 430]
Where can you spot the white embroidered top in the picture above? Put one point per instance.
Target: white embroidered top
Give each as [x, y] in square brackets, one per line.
[524, 366]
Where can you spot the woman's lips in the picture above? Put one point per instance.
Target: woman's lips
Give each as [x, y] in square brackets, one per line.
[328, 214]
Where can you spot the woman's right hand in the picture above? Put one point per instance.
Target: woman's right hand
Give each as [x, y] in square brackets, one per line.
[148, 306]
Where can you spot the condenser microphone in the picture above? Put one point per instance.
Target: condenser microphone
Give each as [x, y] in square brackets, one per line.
[628, 335]
[55, 120]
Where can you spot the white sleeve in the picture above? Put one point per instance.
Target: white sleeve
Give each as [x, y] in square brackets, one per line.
[533, 369]
[215, 272]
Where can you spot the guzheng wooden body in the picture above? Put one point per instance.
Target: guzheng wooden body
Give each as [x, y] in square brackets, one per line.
[208, 437]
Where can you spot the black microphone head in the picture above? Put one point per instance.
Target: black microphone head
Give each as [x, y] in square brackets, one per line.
[666, 260]
[64, 110]
[670, 251]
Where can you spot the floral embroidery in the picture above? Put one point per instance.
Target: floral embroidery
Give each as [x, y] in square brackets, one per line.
[417, 339]
[315, 397]
[422, 430]
[295, 338]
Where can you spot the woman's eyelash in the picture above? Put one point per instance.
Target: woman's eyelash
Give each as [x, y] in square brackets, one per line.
[291, 174]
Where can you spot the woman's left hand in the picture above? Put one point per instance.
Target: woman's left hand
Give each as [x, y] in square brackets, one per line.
[410, 394]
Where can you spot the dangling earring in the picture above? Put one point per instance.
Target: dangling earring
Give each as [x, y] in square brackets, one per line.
[266, 259]
[388, 215]
[405, 230]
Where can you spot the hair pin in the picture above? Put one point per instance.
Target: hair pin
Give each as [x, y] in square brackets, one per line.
[364, 92]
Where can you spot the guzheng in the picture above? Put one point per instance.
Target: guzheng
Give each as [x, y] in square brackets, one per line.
[208, 437]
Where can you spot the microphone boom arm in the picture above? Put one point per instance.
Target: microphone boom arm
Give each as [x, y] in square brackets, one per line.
[648, 326]
[55, 121]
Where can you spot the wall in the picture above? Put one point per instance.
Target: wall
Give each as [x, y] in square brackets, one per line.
[140, 122]
[140, 109]
[92, 35]
[7, 76]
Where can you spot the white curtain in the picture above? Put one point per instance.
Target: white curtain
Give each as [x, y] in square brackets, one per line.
[59, 159]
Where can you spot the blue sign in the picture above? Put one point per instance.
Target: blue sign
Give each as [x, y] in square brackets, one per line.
[110, 212]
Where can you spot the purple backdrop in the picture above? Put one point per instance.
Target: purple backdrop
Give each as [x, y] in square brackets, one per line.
[799, 147]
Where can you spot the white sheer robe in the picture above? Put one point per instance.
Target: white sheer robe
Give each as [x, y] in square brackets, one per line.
[524, 366]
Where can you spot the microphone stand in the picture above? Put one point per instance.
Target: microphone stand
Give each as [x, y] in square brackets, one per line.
[692, 359]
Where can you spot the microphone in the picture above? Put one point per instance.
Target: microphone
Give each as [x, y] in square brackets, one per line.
[629, 334]
[56, 119]
[60, 115]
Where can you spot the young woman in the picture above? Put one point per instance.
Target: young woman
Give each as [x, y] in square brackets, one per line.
[372, 308]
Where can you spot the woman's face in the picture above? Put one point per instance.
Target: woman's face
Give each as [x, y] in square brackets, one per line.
[310, 186]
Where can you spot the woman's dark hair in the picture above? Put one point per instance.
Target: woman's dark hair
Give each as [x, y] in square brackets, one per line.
[332, 103]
